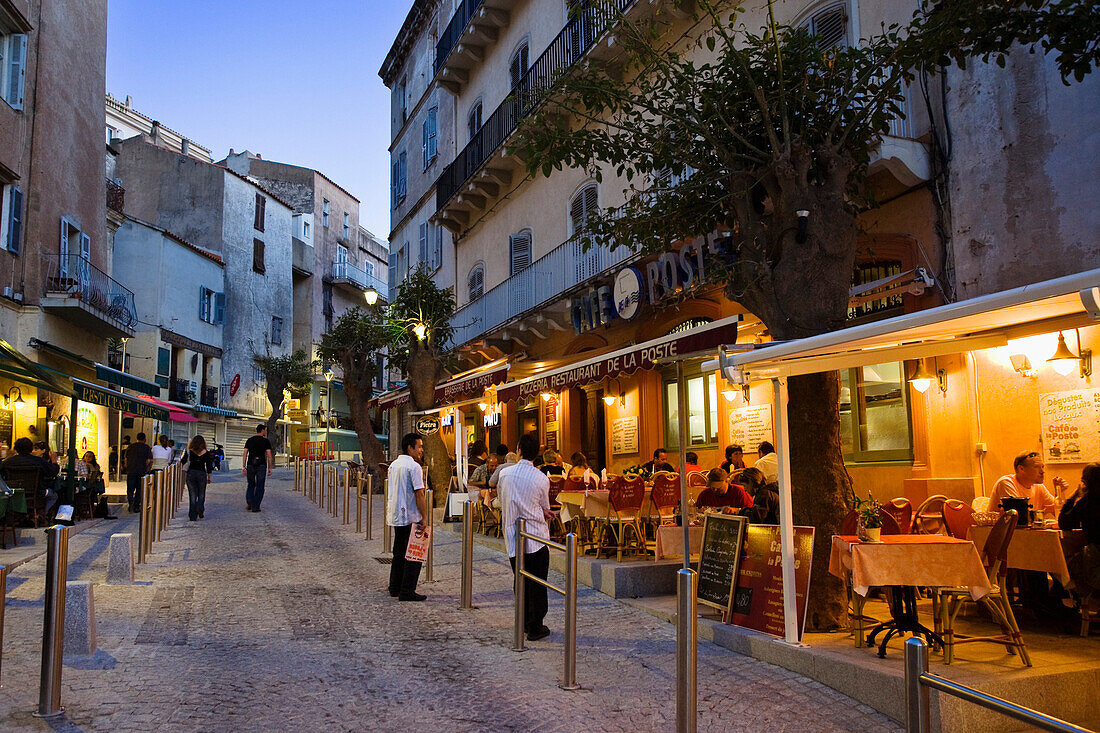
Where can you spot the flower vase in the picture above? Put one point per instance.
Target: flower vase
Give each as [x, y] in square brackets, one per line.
[871, 534]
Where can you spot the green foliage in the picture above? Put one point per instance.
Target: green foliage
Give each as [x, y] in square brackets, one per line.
[355, 341]
[420, 300]
[293, 371]
[870, 512]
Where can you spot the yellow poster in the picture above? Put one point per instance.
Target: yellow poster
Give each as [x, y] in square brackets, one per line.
[87, 432]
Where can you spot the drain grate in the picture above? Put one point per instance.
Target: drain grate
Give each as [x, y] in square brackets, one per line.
[385, 560]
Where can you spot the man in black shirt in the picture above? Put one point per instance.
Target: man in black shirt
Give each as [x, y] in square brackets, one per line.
[48, 471]
[139, 461]
[258, 465]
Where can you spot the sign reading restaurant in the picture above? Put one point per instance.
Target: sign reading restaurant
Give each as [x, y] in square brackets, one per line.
[117, 401]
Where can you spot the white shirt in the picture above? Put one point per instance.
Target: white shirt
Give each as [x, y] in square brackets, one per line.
[769, 466]
[406, 478]
[162, 453]
[525, 494]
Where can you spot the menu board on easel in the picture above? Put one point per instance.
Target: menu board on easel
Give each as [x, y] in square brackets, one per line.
[624, 435]
[720, 560]
[749, 426]
[758, 601]
[1070, 423]
[7, 426]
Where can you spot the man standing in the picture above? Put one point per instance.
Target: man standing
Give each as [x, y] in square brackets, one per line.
[526, 495]
[139, 461]
[406, 509]
[258, 465]
[1026, 482]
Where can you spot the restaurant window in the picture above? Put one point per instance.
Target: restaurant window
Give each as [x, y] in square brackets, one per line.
[874, 414]
[867, 273]
[702, 411]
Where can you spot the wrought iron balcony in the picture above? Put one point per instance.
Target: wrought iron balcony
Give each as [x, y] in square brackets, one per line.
[579, 35]
[209, 396]
[116, 196]
[81, 292]
[179, 390]
[548, 279]
[454, 30]
[345, 273]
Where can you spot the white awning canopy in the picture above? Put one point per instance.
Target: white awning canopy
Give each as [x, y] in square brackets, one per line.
[978, 323]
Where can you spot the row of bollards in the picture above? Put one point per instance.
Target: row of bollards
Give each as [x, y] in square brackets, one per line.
[161, 496]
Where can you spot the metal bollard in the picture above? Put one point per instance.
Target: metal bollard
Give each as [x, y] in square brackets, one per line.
[467, 555]
[428, 504]
[387, 530]
[917, 719]
[520, 581]
[53, 622]
[347, 496]
[3, 602]
[334, 493]
[686, 700]
[569, 680]
[370, 503]
[359, 504]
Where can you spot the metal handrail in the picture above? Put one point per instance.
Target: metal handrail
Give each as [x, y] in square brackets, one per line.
[569, 681]
[346, 271]
[454, 30]
[78, 278]
[918, 680]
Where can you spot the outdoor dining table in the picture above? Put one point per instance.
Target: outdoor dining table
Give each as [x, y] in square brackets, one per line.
[1032, 549]
[903, 562]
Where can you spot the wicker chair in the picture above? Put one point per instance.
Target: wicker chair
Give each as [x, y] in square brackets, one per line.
[928, 519]
[624, 508]
[948, 601]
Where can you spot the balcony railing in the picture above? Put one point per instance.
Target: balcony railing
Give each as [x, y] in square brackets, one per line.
[347, 272]
[209, 396]
[560, 270]
[579, 35]
[179, 390]
[76, 277]
[116, 196]
[453, 32]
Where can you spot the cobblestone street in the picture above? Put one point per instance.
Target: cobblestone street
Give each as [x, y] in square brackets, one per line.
[280, 621]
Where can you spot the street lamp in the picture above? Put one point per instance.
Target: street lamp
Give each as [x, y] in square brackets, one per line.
[371, 296]
[328, 414]
[420, 330]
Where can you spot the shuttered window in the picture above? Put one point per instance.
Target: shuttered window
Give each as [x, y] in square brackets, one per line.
[219, 309]
[276, 330]
[399, 170]
[584, 204]
[258, 257]
[437, 248]
[13, 66]
[261, 208]
[391, 274]
[430, 132]
[204, 304]
[830, 25]
[476, 282]
[519, 245]
[423, 251]
[15, 220]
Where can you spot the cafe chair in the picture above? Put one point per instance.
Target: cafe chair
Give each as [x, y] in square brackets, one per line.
[491, 518]
[958, 518]
[928, 519]
[556, 526]
[948, 601]
[901, 509]
[696, 480]
[624, 511]
[28, 478]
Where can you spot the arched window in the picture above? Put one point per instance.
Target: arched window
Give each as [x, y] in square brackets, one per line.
[584, 204]
[830, 24]
[519, 63]
[519, 248]
[473, 120]
[475, 284]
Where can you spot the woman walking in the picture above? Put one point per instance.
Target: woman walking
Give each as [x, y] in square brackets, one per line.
[200, 464]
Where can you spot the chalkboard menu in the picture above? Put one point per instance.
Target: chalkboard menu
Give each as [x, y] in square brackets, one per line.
[758, 601]
[7, 426]
[720, 559]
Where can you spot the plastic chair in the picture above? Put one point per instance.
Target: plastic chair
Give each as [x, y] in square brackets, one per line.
[958, 518]
[928, 519]
[948, 601]
[901, 509]
[624, 507]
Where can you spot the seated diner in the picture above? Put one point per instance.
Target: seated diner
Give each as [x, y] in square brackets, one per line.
[1082, 511]
[1026, 482]
[721, 492]
[735, 459]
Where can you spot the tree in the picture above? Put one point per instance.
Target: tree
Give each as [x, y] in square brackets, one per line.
[284, 372]
[769, 135]
[355, 342]
[419, 319]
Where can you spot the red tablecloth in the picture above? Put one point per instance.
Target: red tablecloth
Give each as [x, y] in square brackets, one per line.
[918, 560]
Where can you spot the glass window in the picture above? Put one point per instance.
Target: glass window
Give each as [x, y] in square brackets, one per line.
[874, 414]
[702, 411]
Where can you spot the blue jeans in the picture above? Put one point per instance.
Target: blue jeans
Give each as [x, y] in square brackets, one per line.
[196, 494]
[257, 477]
[133, 491]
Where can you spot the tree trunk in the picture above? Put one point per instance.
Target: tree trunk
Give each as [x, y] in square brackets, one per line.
[275, 397]
[358, 405]
[423, 372]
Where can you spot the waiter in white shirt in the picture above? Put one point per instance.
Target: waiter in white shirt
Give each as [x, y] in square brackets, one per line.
[525, 494]
[406, 510]
[768, 462]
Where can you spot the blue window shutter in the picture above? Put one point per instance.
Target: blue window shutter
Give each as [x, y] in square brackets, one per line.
[437, 247]
[18, 65]
[15, 220]
[424, 243]
[424, 142]
[393, 183]
[204, 300]
[391, 275]
[219, 309]
[64, 247]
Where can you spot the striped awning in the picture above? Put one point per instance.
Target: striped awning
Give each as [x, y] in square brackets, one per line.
[215, 410]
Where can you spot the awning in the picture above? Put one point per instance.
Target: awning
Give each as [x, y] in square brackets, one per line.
[139, 406]
[396, 398]
[14, 365]
[175, 414]
[984, 322]
[46, 346]
[455, 390]
[646, 355]
[216, 410]
[129, 381]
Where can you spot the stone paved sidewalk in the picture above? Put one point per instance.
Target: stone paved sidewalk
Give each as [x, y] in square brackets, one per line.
[279, 621]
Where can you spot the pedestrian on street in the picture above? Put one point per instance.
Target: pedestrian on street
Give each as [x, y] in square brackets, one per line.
[406, 509]
[162, 453]
[139, 461]
[526, 495]
[200, 464]
[258, 465]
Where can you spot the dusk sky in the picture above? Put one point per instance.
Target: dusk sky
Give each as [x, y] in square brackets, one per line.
[293, 81]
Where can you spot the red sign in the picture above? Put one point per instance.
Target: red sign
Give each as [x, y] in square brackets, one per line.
[235, 384]
[758, 598]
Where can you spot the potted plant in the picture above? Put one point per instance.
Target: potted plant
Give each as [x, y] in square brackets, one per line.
[870, 519]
